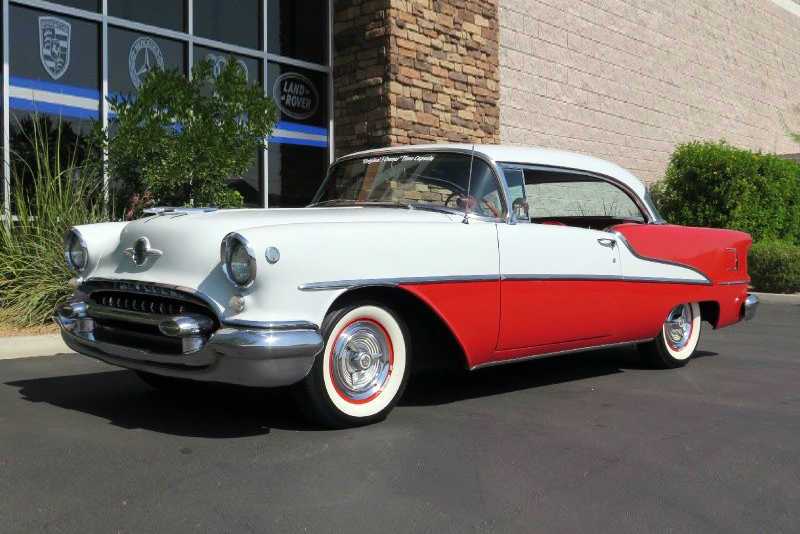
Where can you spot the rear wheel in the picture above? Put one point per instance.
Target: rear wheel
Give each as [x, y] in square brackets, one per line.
[363, 370]
[677, 341]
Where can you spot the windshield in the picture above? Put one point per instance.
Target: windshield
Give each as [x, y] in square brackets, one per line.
[426, 180]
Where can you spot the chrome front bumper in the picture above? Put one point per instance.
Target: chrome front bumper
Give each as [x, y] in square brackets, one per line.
[749, 307]
[250, 356]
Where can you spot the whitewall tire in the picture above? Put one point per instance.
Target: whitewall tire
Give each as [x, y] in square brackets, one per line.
[363, 370]
[677, 341]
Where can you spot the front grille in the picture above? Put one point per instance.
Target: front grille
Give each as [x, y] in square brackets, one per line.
[143, 298]
[121, 300]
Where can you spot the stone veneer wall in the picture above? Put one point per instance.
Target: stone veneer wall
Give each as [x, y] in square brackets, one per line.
[626, 80]
[415, 71]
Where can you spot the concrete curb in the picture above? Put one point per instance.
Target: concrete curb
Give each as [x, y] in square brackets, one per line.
[30, 346]
[778, 298]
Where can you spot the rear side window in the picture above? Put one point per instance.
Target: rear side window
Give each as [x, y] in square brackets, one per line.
[564, 195]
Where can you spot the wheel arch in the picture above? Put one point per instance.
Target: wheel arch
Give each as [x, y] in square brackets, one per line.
[434, 346]
[709, 311]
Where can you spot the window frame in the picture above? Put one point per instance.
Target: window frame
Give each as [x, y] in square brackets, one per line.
[639, 202]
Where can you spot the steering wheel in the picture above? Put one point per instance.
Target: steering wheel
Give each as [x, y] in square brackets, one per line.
[468, 202]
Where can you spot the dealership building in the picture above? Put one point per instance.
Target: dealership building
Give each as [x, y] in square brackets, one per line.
[625, 80]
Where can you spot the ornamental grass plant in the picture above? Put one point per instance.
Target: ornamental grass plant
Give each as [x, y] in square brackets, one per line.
[53, 189]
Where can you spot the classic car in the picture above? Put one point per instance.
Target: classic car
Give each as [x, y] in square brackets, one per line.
[473, 255]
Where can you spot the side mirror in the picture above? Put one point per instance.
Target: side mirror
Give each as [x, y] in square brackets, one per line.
[520, 208]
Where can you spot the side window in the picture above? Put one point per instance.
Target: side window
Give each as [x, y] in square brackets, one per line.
[576, 199]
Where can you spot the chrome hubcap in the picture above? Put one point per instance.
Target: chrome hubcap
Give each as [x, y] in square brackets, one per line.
[678, 327]
[361, 360]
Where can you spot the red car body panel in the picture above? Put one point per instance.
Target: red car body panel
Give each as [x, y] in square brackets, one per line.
[555, 316]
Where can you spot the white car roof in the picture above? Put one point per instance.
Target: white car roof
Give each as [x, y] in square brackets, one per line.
[531, 156]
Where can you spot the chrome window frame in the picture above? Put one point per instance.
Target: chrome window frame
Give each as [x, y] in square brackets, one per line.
[649, 216]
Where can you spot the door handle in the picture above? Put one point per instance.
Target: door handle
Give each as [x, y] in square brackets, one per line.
[606, 242]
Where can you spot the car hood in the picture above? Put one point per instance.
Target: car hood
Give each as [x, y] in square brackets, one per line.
[189, 243]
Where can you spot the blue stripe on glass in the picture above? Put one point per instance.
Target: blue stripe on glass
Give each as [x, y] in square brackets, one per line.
[293, 141]
[302, 128]
[56, 109]
[54, 87]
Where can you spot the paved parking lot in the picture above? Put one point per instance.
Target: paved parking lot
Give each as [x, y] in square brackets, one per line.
[583, 442]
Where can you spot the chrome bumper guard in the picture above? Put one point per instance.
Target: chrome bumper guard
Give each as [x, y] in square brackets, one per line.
[749, 307]
[276, 355]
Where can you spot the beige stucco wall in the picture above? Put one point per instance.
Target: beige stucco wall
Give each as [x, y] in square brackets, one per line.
[628, 80]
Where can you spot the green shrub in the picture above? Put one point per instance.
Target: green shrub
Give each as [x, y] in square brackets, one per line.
[717, 185]
[774, 267]
[185, 139]
[58, 192]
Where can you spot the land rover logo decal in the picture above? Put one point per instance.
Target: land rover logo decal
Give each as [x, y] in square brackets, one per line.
[54, 39]
[295, 95]
[144, 55]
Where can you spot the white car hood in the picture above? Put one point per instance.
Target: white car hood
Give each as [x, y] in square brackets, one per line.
[190, 243]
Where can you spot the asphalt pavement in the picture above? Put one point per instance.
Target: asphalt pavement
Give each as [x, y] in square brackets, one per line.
[585, 442]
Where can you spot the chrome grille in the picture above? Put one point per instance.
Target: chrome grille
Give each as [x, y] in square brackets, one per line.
[139, 301]
[143, 303]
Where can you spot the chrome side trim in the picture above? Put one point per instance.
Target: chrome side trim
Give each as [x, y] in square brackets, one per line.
[271, 325]
[630, 248]
[557, 353]
[393, 282]
[575, 277]
[735, 283]
[609, 277]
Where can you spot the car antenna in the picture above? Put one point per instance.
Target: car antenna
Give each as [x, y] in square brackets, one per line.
[465, 220]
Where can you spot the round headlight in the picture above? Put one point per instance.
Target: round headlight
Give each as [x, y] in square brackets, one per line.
[75, 249]
[239, 262]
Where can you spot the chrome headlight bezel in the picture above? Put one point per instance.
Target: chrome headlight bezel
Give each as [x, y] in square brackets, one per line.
[73, 236]
[229, 245]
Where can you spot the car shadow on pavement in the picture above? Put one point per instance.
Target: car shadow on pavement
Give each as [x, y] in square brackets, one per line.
[219, 411]
[209, 410]
[453, 386]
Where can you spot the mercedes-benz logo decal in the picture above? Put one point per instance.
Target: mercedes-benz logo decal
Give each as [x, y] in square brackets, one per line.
[141, 250]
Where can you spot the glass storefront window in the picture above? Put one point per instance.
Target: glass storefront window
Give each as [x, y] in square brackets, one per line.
[56, 73]
[295, 173]
[131, 54]
[88, 5]
[250, 185]
[298, 29]
[298, 148]
[53, 84]
[230, 21]
[164, 13]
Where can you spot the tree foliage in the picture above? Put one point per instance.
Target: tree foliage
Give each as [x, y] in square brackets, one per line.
[184, 139]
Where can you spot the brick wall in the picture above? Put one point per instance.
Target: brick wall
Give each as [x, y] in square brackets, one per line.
[627, 80]
[360, 73]
[415, 71]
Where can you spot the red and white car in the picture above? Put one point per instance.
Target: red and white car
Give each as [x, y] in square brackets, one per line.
[481, 255]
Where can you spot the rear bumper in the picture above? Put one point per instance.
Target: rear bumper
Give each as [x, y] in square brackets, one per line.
[263, 357]
[749, 307]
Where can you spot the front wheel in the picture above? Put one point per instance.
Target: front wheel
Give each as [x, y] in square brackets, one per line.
[363, 370]
[677, 341]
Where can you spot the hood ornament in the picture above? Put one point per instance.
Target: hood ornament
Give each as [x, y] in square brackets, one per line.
[141, 250]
